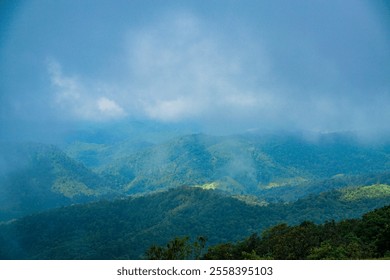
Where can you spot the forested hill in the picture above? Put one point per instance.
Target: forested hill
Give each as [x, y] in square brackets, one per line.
[272, 167]
[365, 238]
[125, 228]
[352, 239]
[247, 163]
[35, 177]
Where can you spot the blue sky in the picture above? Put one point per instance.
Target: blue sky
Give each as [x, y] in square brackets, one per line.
[223, 65]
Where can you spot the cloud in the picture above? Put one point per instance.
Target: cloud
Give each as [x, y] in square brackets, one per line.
[110, 108]
[306, 70]
[77, 101]
[170, 110]
[184, 70]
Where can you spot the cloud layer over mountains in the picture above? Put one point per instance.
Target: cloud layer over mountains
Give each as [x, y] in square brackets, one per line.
[224, 65]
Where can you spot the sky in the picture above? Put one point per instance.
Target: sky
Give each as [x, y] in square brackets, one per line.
[226, 66]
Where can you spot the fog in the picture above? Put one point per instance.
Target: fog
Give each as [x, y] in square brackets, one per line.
[225, 66]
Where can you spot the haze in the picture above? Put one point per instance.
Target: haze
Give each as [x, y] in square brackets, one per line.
[225, 66]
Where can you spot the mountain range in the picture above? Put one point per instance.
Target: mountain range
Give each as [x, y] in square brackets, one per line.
[248, 164]
[126, 228]
[114, 193]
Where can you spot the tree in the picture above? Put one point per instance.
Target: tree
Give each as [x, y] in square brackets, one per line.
[179, 248]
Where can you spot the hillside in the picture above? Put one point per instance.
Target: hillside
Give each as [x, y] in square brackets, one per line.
[365, 238]
[35, 177]
[96, 146]
[261, 165]
[125, 228]
[316, 186]
[271, 167]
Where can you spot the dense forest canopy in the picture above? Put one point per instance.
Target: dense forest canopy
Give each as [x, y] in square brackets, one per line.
[267, 167]
[126, 228]
[91, 201]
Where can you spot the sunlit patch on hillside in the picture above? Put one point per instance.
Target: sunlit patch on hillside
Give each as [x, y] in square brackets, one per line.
[208, 186]
[71, 188]
[372, 192]
[284, 182]
[251, 200]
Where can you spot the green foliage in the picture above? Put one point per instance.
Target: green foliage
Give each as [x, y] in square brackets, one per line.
[256, 168]
[40, 177]
[126, 228]
[373, 191]
[366, 238]
[224, 251]
[274, 167]
[177, 249]
[71, 188]
[327, 251]
[246, 184]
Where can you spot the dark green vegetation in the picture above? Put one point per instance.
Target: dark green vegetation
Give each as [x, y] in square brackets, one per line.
[112, 194]
[126, 228]
[365, 238]
[97, 147]
[273, 167]
[35, 177]
[179, 248]
[270, 168]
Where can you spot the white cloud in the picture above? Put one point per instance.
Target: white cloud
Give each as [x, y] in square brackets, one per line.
[75, 100]
[182, 70]
[171, 110]
[109, 107]
[69, 88]
[181, 67]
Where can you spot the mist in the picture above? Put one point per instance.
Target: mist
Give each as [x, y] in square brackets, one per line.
[221, 66]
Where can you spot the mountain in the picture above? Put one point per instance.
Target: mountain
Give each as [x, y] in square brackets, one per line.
[260, 165]
[269, 167]
[98, 145]
[125, 228]
[353, 239]
[36, 177]
[316, 186]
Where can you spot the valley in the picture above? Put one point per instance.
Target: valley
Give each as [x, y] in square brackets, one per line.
[104, 200]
